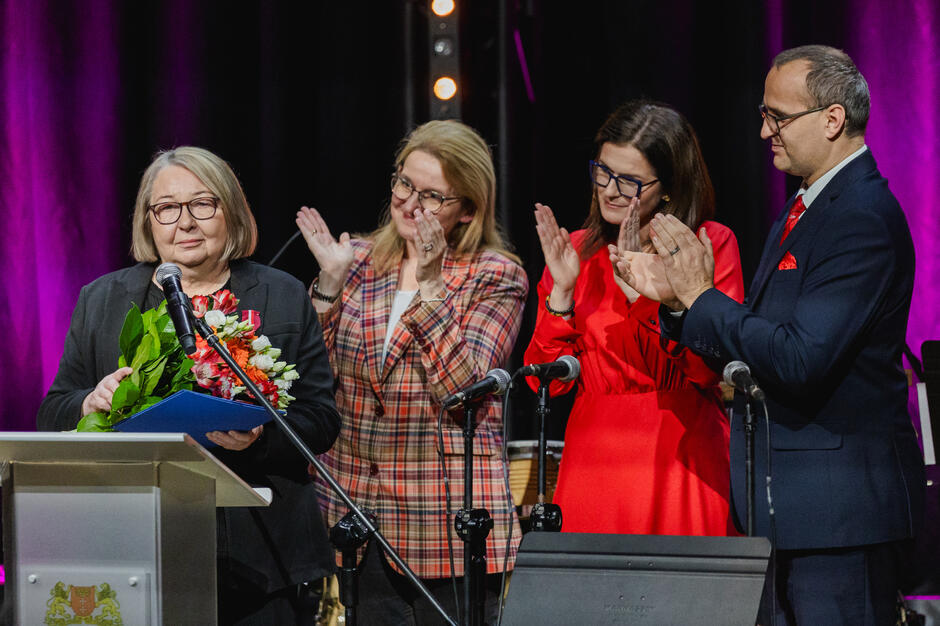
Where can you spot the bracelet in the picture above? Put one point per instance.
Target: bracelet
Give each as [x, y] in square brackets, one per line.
[319, 295]
[556, 313]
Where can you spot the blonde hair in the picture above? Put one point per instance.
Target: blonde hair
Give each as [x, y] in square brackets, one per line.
[467, 165]
[215, 173]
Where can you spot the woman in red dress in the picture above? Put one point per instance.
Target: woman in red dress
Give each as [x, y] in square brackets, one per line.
[646, 446]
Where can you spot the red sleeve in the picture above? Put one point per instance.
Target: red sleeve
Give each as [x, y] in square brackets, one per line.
[553, 336]
[728, 277]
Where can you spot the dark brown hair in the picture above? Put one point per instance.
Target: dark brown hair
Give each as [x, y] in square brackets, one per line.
[666, 139]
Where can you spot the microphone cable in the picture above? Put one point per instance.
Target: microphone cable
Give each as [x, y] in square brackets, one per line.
[504, 457]
[772, 565]
[448, 522]
[292, 239]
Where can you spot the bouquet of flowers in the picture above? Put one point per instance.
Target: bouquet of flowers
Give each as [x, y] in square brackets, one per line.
[149, 346]
[253, 353]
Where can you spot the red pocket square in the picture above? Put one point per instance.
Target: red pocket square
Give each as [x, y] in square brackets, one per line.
[788, 262]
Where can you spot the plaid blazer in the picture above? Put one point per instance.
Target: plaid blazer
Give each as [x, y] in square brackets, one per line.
[386, 455]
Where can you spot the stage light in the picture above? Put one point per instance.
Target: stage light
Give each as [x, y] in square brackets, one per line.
[445, 88]
[442, 8]
[444, 91]
[443, 46]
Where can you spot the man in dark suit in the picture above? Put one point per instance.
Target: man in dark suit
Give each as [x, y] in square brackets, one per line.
[822, 331]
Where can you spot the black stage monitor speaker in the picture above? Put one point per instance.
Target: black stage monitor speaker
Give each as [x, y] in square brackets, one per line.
[575, 578]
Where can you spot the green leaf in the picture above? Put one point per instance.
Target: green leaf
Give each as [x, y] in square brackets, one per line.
[125, 395]
[153, 377]
[166, 331]
[142, 355]
[94, 423]
[155, 348]
[131, 332]
[147, 402]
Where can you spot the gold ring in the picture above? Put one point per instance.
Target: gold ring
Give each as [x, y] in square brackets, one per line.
[674, 251]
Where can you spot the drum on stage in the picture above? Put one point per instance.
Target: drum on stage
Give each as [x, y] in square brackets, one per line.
[524, 471]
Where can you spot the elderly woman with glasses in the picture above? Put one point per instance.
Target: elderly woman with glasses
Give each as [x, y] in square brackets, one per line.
[413, 312]
[191, 211]
[646, 443]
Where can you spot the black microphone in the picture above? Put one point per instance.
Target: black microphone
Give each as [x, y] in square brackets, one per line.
[177, 305]
[738, 375]
[495, 382]
[565, 369]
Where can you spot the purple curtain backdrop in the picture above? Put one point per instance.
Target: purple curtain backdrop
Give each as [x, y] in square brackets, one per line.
[896, 45]
[66, 108]
[61, 212]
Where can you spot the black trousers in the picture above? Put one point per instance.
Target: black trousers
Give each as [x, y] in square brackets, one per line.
[854, 586]
[388, 598]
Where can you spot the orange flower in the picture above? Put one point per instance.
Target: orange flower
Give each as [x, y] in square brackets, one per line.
[240, 355]
[255, 374]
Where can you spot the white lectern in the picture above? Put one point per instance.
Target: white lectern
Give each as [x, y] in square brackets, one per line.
[113, 528]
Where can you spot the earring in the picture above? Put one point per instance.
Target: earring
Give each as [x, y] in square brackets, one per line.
[666, 198]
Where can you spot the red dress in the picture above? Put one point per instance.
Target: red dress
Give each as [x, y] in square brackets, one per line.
[646, 446]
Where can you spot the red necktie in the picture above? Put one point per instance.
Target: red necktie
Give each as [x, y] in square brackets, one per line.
[793, 217]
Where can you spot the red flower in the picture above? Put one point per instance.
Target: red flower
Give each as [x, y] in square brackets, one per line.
[224, 301]
[200, 305]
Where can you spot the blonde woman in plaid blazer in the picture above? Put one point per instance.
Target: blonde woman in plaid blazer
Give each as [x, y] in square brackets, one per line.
[459, 293]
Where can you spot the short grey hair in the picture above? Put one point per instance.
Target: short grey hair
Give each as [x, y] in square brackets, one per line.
[217, 175]
[833, 79]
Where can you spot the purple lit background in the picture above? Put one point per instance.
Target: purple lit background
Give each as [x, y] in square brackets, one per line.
[67, 187]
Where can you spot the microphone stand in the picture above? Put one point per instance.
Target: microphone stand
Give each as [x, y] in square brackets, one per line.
[369, 529]
[545, 516]
[472, 526]
[749, 462]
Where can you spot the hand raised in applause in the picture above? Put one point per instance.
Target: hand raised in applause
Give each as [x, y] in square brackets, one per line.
[561, 258]
[334, 257]
[100, 397]
[628, 242]
[689, 261]
[636, 272]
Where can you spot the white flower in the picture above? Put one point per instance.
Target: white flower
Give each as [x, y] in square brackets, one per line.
[274, 353]
[260, 344]
[262, 361]
[279, 366]
[283, 385]
[291, 375]
[215, 318]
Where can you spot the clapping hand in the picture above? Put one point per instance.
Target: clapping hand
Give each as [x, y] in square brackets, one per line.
[689, 261]
[334, 257]
[560, 256]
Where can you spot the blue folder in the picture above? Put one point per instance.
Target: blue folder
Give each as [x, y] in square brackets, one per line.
[195, 414]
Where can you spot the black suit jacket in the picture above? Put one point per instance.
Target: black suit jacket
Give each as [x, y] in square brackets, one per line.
[825, 341]
[262, 549]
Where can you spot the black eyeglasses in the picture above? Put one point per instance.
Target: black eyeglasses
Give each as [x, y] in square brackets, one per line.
[773, 121]
[627, 186]
[199, 208]
[428, 199]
